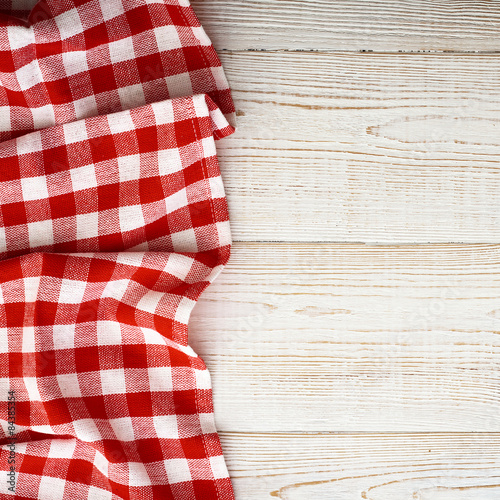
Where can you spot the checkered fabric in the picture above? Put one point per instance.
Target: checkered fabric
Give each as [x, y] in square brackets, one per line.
[110, 229]
[75, 59]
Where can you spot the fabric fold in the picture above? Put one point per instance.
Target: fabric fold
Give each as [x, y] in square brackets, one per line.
[75, 59]
[110, 229]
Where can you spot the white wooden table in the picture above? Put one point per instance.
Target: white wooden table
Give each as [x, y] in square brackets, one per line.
[354, 338]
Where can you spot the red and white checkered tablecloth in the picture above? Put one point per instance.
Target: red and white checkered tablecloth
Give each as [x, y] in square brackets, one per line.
[111, 226]
[78, 58]
[126, 223]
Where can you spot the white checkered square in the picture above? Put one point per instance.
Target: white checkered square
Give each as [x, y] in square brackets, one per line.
[224, 233]
[200, 107]
[83, 177]
[216, 187]
[42, 429]
[29, 339]
[184, 310]
[138, 474]
[150, 301]
[218, 465]
[152, 337]
[99, 494]
[129, 167]
[43, 117]
[31, 288]
[40, 233]
[164, 112]
[5, 383]
[160, 379]
[177, 470]
[202, 379]
[184, 241]
[31, 384]
[63, 336]
[166, 426]
[51, 487]
[132, 96]
[69, 385]
[179, 265]
[131, 217]
[176, 201]
[178, 85]
[4, 339]
[111, 8]
[86, 430]
[121, 50]
[120, 122]
[69, 24]
[115, 289]
[75, 61]
[101, 464]
[30, 143]
[113, 381]
[34, 188]
[131, 258]
[87, 225]
[109, 333]
[3, 241]
[74, 132]
[72, 291]
[86, 106]
[29, 75]
[207, 423]
[167, 38]
[169, 161]
[201, 36]
[19, 37]
[5, 120]
[123, 428]
[62, 448]
[208, 147]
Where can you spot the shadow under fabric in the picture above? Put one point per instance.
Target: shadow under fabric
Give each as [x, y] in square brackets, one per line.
[113, 220]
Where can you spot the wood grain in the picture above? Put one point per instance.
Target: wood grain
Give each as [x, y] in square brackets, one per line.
[323, 354]
[325, 25]
[364, 466]
[364, 148]
[321, 337]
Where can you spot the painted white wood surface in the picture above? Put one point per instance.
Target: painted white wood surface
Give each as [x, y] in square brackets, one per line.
[364, 147]
[347, 371]
[453, 466]
[321, 337]
[371, 25]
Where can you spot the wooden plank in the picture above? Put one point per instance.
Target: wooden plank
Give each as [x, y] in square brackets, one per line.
[364, 148]
[381, 25]
[364, 466]
[310, 337]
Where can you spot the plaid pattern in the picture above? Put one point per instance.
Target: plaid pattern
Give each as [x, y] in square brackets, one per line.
[111, 402]
[75, 59]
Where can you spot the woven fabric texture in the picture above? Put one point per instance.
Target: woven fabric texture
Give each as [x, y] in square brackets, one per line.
[113, 220]
[125, 221]
[80, 58]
